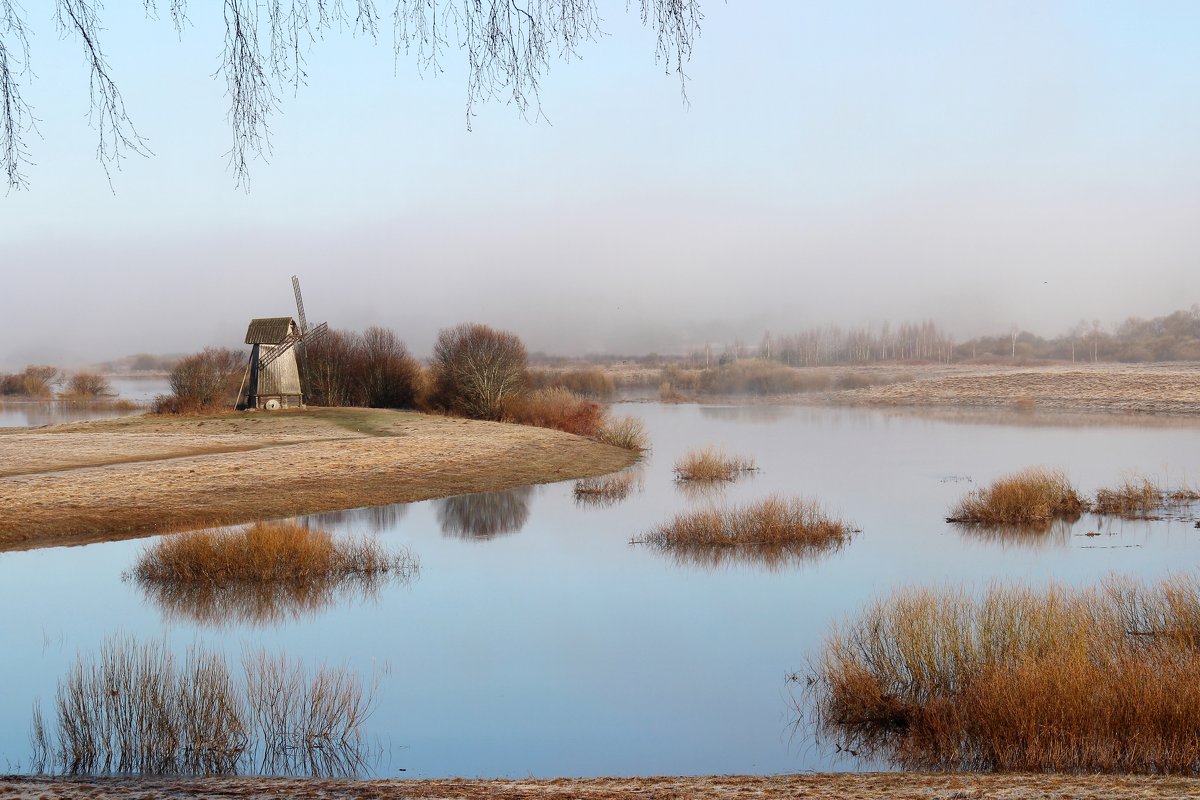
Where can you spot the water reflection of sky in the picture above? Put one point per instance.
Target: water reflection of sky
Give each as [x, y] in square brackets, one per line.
[538, 641]
[15, 413]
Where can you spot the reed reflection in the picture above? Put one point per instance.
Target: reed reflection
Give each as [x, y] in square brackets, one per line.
[608, 490]
[218, 605]
[134, 707]
[1056, 533]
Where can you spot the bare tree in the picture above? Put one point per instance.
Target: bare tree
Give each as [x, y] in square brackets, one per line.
[476, 369]
[508, 46]
[207, 379]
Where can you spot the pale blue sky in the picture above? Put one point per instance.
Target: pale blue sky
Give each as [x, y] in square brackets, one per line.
[983, 164]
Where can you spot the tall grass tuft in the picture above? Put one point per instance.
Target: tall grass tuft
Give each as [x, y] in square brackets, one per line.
[264, 573]
[776, 522]
[712, 464]
[133, 707]
[628, 432]
[1140, 496]
[1101, 679]
[265, 552]
[1032, 496]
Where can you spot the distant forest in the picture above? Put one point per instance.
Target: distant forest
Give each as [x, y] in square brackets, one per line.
[1175, 337]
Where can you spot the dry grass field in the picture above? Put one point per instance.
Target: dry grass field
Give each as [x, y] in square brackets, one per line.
[90, 481]
[841, 786]
[1111, 388]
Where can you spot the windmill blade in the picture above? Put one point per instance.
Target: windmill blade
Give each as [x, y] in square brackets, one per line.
[315, 334]
[271, 355]
[299, 305]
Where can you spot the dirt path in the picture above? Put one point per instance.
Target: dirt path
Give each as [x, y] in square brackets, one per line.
[869, 786]
[82, 482]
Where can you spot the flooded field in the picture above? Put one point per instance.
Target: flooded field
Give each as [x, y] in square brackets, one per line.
[36, 413]
[537, 640]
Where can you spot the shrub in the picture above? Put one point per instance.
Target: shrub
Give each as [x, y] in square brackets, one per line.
[711, 464]
[204, 381]
[476, 370]
[372, 368]
[1057, 678]
[88, 385]
[556, 408]
[329, 366]
[1031, 497]
[33, 381]
[386, 373]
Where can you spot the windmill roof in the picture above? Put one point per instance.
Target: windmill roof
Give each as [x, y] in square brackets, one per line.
[268, 330]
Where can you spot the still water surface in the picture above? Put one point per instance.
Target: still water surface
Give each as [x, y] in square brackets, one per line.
[36, 413]
[538, 641]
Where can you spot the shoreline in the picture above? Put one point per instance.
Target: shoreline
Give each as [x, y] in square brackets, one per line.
[845, 786]
[1167, 390]
[129, 477]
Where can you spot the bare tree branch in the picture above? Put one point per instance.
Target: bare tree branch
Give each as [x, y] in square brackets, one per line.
[16, 116]
[676, 24]
[177, 9]
[251, 96]
[117, 135]
[508, 46]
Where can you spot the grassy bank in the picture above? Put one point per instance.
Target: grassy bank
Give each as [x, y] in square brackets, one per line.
[133, 476]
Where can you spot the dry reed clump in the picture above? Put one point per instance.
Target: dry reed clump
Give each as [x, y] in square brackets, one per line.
[608, 489]
[1102, 679]
[627, 432]
[133, 707]
[775, 522]
[1134, 496]
[557, 408]
[264, 553]
[712, 464]
[1139, 496]
[591, 382]
[1032, 496]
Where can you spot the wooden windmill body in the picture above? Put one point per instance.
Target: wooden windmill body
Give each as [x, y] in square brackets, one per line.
[272, 379]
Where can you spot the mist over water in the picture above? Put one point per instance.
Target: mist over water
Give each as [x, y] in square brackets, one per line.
[983, 166]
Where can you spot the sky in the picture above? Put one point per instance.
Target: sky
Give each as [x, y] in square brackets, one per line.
[981, 164]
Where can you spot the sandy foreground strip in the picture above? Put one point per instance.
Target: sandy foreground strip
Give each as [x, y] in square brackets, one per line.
[1109, 388]
[71, 484]
[868, 786]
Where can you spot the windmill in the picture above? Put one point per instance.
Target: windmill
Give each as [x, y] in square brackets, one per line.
[272, 378]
